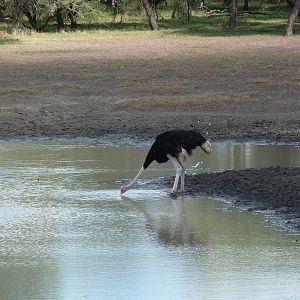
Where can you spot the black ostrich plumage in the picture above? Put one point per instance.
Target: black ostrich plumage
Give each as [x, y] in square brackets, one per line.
[171, 142]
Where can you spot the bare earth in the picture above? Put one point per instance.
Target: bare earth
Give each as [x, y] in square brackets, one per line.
[234, 88]
[242, 88]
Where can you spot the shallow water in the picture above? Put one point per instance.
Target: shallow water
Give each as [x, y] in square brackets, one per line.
[65, 233]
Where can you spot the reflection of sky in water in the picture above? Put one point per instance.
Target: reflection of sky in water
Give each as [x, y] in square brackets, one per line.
[65, 233]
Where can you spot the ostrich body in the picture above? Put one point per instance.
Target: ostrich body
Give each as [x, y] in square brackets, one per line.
[170, 145]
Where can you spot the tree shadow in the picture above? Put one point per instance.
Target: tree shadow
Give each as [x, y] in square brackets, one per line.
[206, 26]
[108, 27]
[217, 26]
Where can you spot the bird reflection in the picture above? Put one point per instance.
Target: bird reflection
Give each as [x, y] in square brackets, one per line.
[179, 234]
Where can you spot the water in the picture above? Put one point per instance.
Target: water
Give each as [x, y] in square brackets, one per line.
[65, 233]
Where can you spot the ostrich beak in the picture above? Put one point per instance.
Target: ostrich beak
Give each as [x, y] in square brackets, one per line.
[123, 190]
[206, 147]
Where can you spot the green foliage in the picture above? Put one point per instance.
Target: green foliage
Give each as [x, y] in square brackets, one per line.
[35, 14]
[95, 15]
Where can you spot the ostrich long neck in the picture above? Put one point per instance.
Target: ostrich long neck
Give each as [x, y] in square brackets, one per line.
[129, 185]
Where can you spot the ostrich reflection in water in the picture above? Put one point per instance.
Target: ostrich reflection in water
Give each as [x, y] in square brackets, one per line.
[178, 232]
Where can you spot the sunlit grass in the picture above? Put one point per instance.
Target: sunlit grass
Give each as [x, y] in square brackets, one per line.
[78, 35]
[7, 40]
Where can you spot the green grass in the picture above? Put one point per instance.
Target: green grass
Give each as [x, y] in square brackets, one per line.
[7, 41]
[271, 22]
[5, 36]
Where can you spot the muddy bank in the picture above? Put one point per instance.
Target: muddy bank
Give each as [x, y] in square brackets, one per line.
[273, 189]
[138, 125]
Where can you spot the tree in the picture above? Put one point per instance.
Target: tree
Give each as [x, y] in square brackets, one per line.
[290, 3]
[114, 4]
[72, 15]
[151, 17]
[31, 14]
[183, 8]
[189, 9]
[292, 18]
[58, 14]
[37, 12]
[233, 13]
[246, 5]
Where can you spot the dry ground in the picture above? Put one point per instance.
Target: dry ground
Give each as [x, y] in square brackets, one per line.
[234, 88]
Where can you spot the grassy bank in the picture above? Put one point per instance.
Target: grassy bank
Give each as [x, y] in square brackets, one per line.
[270, 21]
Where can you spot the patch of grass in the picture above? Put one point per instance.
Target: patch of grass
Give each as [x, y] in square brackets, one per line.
[16, 91]
[7, 41]
[154, 87]
[5, 33]
[83, 35]
[66, 85]
[204, 25]
[285, 81]
[181, 101]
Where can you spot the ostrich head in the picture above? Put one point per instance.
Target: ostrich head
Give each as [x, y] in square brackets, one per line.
[206, 147]
[124, 189]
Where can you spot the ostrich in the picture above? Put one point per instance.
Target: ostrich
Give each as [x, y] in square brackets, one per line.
[170, 145]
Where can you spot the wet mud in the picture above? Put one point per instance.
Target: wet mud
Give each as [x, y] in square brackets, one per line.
[274, 190]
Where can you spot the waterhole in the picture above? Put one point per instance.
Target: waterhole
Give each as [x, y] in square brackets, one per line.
[65, 233]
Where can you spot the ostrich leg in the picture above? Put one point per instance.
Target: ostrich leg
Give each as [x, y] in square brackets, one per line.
[182, 179]
[179, 172]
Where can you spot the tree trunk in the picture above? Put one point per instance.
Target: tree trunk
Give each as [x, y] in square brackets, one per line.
[292, 18]
[174, 11]
[30, 14]
[150, 15]
[233, 13]
[291, 3]
[59, 19]
[114, 11]
[32, 20]
[72, 17]
[246, 5]
[188, 10]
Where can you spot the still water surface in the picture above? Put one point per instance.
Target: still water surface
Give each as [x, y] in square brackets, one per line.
[65, 233]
